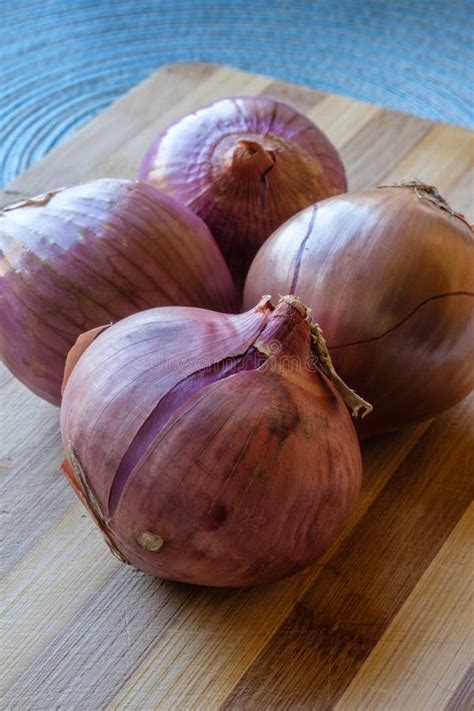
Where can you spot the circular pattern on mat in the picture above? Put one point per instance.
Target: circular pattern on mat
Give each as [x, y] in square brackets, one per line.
[64, 61]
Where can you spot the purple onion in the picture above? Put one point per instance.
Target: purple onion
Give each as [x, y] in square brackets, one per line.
[89, 255]
[245, 166]
[212, 448]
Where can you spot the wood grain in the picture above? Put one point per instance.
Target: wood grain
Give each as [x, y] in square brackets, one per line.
[410, 646]
[381, 622]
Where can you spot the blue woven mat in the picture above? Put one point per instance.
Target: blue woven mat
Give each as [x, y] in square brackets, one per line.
[65, 60]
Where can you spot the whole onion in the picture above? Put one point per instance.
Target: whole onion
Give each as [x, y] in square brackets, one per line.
[245, 165]
[212, 448]
[390, 273]
[79, 257]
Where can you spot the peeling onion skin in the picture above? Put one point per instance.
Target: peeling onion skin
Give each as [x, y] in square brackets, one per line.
[247, 480]
[390, 274]
[88, 255]
[244, 165]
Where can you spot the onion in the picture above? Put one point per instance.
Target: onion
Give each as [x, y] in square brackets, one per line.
[390, 273]
[83, 256]
[212, 448]
[245, 165]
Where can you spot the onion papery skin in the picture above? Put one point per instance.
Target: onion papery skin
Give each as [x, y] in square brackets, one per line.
[246, 478]
[87, 255]
[389, 273]
[245, 165]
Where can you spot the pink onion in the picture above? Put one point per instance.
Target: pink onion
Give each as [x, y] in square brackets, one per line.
[212, 448]
[390, 274]
[79, 257]
[245, 165]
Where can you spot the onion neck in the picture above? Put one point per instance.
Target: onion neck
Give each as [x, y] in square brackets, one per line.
[431, 194]
[252, 155]
[245, 154]
[286, 336]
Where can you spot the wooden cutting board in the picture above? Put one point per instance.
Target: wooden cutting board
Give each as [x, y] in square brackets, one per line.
[381, 622]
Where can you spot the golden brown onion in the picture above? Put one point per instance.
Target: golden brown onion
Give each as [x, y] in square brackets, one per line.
[390, 274]
[244, 165]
